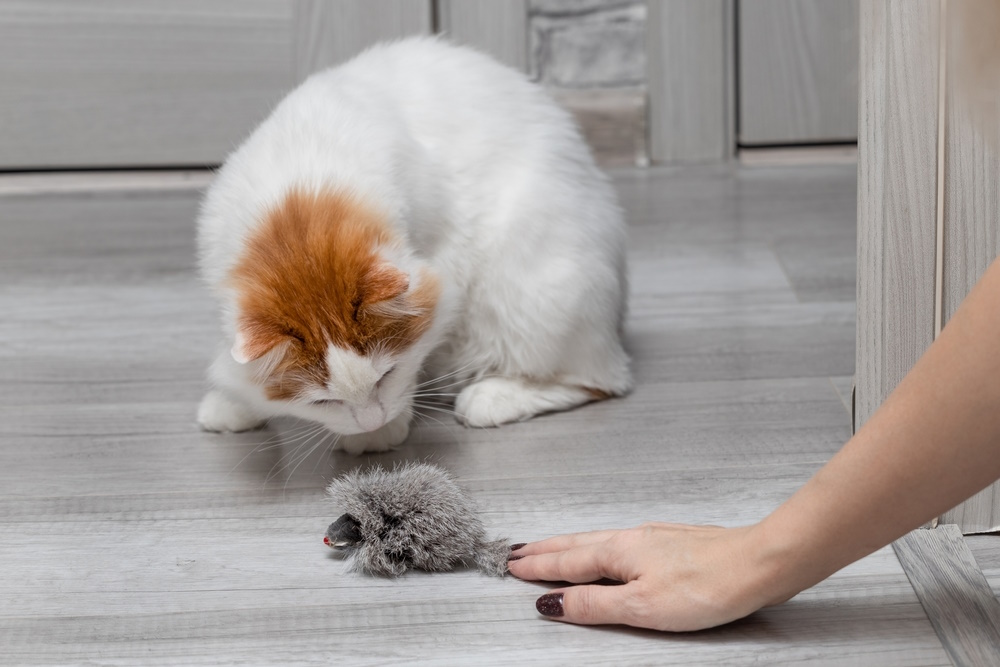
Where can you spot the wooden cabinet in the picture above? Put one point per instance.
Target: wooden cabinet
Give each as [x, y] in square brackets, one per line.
[928, 207]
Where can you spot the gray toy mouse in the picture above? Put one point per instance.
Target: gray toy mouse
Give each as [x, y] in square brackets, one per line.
[414, 516]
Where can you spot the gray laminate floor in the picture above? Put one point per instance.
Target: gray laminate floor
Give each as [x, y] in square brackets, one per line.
[130, 537]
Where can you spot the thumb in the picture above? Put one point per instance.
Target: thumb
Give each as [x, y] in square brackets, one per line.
[593, 605]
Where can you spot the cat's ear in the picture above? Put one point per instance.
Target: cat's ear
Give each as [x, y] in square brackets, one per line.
[251, 344]
[383, 282]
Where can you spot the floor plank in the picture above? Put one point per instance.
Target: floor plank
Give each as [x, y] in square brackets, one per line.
[130, 537]
[964, 611]
[986, 549]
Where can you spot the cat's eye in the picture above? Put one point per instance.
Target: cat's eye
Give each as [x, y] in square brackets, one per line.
[327, 401]
[292, 333]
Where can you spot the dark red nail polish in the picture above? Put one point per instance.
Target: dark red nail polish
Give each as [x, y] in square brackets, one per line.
[515, 547]
[510, 558]
[326, 540]
[550, 604]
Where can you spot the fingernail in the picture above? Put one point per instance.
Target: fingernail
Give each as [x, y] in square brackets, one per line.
[515, 547]
[550, 604]
[510, 558]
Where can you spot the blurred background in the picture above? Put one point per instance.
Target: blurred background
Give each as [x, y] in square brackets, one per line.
[90, 84]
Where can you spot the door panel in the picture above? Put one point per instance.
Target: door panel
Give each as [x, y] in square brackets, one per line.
[156, 83]
[137, 82]
[498, 28]
[798, 71]
[330, 32]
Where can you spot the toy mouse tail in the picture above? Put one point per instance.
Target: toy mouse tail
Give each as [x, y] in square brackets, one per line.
[491, 557]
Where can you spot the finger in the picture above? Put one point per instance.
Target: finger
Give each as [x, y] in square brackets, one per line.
[564, 542]
[577, 566]
[594, 605]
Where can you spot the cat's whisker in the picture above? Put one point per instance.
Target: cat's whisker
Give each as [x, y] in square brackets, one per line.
[436, 408]
[434, 419]
[425, 394]
[419, 400]
[278, 439]
[459, 382]
[286, 467]
[307, 426]
[298, 447]
[302, 460]
[437, 387]
[450, 425]
[283, 439]
[333, 445]
[305, 440]
[307, 437]
[447, 375]
[438, 382]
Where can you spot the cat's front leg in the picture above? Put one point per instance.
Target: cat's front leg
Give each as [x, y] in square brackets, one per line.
[382, 439]
[220, 413]
[500, 400]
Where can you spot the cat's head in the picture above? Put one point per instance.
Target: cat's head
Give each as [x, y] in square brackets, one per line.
[333, 314]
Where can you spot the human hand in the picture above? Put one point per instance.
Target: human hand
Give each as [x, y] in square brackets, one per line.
[673, 577]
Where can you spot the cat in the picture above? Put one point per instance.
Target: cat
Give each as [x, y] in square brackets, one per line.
[418, 212]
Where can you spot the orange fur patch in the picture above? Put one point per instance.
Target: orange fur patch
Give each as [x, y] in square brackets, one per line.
[311, 276]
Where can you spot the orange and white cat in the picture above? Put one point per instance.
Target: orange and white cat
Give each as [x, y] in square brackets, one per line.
[419, 212]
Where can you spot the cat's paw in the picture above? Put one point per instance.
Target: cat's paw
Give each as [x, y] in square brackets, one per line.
[500, 400]
[492, 402]
[380, 440]
[221, 414]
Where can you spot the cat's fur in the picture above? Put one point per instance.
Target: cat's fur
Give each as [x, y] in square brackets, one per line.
[419, 209]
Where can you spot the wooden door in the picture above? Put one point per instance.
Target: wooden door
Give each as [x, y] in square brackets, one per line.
[159, 83]
[798, 71]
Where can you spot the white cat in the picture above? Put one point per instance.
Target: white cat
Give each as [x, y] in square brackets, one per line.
[418, 212]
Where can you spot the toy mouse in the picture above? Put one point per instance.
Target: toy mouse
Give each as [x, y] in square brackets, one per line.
[414, 516]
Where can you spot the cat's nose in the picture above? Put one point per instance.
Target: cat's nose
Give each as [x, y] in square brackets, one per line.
[369, 417]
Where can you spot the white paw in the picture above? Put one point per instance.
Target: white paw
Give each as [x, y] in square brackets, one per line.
[492, 402]
[221, 414]
[380, 440]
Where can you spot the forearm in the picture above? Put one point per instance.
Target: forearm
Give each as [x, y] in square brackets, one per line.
[935, 442]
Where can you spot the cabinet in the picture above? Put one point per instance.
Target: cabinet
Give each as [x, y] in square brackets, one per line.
[928, 206]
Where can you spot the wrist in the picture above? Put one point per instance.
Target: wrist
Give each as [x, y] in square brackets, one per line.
[779, 562]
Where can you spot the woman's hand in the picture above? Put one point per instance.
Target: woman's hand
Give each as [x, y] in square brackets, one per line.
[674, 577]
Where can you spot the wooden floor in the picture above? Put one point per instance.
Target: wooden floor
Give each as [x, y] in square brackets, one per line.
[130, 537]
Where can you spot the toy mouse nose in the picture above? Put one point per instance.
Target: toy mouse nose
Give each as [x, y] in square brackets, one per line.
[343, 533]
